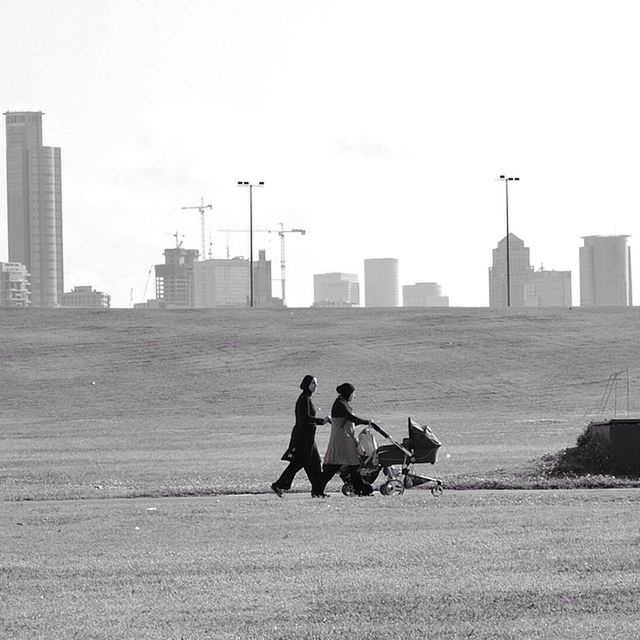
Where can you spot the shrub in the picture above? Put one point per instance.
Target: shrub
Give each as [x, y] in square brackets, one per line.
[590, 456]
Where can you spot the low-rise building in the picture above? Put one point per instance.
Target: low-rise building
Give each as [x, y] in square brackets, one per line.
[86, 298]
[423, 294]
[15, 285]
[336, 290]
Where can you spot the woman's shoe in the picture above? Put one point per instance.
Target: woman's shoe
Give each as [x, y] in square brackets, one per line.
[320, 495]
[277, 490]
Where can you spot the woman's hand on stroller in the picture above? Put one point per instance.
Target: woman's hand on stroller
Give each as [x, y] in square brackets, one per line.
[326, 419]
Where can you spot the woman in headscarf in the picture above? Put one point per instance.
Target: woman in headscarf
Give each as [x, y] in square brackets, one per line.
[342, 450]
[303, 452]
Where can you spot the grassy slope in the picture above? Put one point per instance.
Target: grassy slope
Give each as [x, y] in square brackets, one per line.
[202, 400]
[482, 565]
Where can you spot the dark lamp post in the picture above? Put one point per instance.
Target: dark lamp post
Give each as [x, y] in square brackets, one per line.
[251, 186]
[506, 181]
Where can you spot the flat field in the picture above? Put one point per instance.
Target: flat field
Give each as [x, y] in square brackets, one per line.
[105, 412]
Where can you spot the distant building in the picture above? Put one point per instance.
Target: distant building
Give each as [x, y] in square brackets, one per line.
[528, 288]
[336, 290]
[548, 289]
[381, 282]
[174, 278]
[520, 271]
[423, 294]
[34, 206]
[15, 288]
[86, 298]
[225, 283]
[605, 272]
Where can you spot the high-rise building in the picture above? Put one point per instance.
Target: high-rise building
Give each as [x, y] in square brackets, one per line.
[336, 290]
[381, 282]
[605, 272]
[520, 271]
[225, 283]
[423, 294]
[86, 298]
[528, 288]
[14, 285]
[34, 206]
[174, 278]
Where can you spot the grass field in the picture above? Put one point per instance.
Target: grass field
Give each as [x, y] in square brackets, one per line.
[133, 402]
[483, 565]
[100, 408]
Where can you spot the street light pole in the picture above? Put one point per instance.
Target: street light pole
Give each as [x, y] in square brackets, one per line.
[506, 192]
[250, 185]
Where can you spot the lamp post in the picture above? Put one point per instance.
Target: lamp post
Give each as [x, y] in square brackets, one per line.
[251, 186]
[506, 181]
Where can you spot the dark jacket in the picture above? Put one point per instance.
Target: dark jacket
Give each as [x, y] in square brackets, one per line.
[303, 436]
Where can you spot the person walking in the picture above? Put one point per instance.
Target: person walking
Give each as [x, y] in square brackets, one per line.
[302, 452]
[342, 450]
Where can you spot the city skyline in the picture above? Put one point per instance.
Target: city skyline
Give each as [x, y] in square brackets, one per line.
[380, 141]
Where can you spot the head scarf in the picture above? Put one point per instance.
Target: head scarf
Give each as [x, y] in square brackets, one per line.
[345, 389]
[306, 381]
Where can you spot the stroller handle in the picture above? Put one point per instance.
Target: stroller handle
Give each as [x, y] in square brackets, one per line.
[381, 431]
[384, 434]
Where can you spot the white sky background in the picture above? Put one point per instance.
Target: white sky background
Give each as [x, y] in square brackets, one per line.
[379, 127]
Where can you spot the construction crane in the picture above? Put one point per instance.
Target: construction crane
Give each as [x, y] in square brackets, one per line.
[202, 207]
[146, 286]
[177, 236]
[281, 233]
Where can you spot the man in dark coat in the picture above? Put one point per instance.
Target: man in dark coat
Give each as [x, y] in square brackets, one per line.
[302, 452]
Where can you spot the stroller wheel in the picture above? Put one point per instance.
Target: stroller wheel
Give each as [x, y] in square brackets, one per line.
[348, 490]
[437, 490]
[393, 488]
[383, 489]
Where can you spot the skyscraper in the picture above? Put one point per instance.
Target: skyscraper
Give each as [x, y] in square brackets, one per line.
[34, 206]
[605, 272]
[528, 288]
[381, 282]
[519, 272]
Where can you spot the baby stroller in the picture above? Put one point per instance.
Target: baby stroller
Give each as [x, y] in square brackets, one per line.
[396, 460]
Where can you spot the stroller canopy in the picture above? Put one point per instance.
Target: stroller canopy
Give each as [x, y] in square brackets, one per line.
[422, 437]
[422, 443]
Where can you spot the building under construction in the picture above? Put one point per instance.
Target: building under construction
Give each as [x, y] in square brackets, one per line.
[183, 281]
[174, 278]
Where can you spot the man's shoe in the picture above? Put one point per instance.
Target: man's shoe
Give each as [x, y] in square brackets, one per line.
[277, 490]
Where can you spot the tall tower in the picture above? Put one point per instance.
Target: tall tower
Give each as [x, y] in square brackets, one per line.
[381, 282]
[519, 273]
[34, 206]
[605, 274]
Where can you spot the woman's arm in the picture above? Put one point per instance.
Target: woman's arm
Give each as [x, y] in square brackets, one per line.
[305, 412]
[341, 409]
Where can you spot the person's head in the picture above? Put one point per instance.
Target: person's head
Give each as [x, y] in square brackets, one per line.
[346, 390]
[309, 384]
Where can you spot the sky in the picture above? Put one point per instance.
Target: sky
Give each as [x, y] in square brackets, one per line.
[378, 127]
